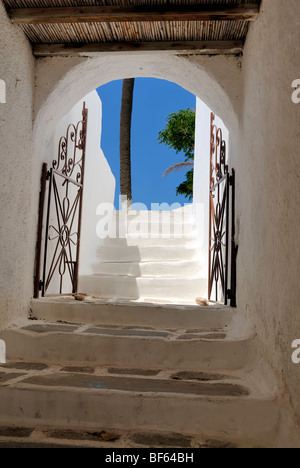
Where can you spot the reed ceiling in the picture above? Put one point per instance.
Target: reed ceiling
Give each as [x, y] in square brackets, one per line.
[65, 26]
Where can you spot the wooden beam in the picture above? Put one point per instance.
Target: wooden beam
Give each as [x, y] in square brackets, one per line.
[188, 47]
[242, 12]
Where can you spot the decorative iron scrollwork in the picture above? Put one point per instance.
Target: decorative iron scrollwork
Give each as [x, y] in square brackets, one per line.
[63, 224]
[218, 166]
[72, 144]
[218, 218]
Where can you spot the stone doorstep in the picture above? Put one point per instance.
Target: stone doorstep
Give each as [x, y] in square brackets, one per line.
[100, 302]
[46, 437]
[137, 314]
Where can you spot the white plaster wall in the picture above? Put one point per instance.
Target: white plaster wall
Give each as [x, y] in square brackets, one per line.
[216, 79]
[18, 175]
[99, 188]
[268, 196]
[201, 177]
[99, 182]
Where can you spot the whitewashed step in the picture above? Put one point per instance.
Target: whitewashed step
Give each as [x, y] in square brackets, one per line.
[153, 241]
[119, 254]
[150, 223]
[155, 229]
[184, 214]
[148, 269]
[181, 350]
[134, 314]
[136, 288]
[229, 410]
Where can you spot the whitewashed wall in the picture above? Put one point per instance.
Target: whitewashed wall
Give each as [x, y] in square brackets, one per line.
[19, 176]
[268, 195]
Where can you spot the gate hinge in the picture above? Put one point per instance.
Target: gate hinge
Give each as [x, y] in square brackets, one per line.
[41, 284]
[48, 175]
[228, 293]
[231, 178]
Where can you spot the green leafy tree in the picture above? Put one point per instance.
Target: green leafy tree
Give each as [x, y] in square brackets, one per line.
[179, 135]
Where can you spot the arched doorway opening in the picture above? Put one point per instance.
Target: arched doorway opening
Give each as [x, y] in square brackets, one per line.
[164, 68]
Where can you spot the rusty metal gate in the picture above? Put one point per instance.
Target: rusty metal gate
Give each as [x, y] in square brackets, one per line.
[58, 242]
[222, 247]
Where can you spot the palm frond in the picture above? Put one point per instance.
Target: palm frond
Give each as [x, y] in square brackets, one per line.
[177, 167]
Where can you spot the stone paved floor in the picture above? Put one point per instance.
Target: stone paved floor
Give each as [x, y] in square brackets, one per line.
[197, 334]
[130, 380]
[20, 437]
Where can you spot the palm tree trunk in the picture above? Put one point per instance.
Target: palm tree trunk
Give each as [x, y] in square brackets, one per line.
[125, 139]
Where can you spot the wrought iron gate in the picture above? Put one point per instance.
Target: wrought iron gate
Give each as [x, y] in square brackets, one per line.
[63, 216]
[222, 248]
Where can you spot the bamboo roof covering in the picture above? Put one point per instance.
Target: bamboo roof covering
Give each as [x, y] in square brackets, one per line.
[78, 23]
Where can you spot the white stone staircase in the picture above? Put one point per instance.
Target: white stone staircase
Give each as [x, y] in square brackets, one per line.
[157, 259]
[124, 371]
[140, 371]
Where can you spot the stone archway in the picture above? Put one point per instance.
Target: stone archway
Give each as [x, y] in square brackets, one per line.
[62, 82]
[63, 89]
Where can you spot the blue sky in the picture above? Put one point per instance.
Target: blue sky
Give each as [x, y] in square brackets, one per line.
[154, 100]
